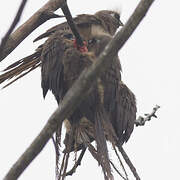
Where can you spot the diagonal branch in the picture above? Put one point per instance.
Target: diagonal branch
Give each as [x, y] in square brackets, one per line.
[42, 15]
[13, 25]
[74, 96]
[72, 25]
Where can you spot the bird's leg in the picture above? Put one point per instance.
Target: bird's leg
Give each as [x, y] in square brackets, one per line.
[78, 163]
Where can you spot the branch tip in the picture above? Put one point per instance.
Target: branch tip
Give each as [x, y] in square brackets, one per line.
[142, 120]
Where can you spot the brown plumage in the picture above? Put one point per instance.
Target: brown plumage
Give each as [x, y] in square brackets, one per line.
[61, 65]
[109, 108]
[119, 101]
[101, 22]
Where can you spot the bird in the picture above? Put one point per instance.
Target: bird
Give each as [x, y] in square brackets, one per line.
[62, 63]
[97, 30]
[98, 19]
[118, 100]
[108, 110]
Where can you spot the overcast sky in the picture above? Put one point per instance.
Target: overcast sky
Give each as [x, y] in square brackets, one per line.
[150, 62]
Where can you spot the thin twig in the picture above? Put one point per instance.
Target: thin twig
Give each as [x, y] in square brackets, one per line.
[13, 25]
[72, 25]
[65, 166]
[42, 15]
[142, 120]
[57, 155]
[62, 167]
[74, 96]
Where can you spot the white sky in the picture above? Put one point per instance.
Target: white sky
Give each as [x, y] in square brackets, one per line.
[150, 61]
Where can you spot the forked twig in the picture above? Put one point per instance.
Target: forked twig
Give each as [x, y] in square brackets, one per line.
[142, 120]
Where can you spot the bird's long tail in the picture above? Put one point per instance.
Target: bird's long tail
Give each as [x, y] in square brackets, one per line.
[102, 150]
[21, 68]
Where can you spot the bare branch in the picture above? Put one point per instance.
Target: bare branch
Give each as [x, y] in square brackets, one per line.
[72, 25]
[42, 15]
[142, 120]
[13, 25]
[74, 96]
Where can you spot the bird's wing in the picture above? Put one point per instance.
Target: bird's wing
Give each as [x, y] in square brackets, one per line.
[126, 112]
[52, 30]
[82, 20]
[52, 65]
[119, 102]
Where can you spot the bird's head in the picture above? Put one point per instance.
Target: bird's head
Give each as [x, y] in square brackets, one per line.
[111, 20]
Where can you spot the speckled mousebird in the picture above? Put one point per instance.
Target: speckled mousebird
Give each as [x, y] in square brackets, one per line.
[62, 64]
[108, 100]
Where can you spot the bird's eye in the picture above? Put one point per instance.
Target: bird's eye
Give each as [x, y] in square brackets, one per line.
[68, 36]
[92, 41]
[117, 16]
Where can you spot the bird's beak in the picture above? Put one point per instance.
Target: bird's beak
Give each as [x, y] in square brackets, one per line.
[120, 23]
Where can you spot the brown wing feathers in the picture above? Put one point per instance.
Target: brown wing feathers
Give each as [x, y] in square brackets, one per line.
[52, 65]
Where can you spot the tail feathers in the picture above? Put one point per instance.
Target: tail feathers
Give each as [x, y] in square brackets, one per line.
[108, 129]
[23, 60]
[20, 76]
[102, 150]
[83, 134]
[20, 68]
